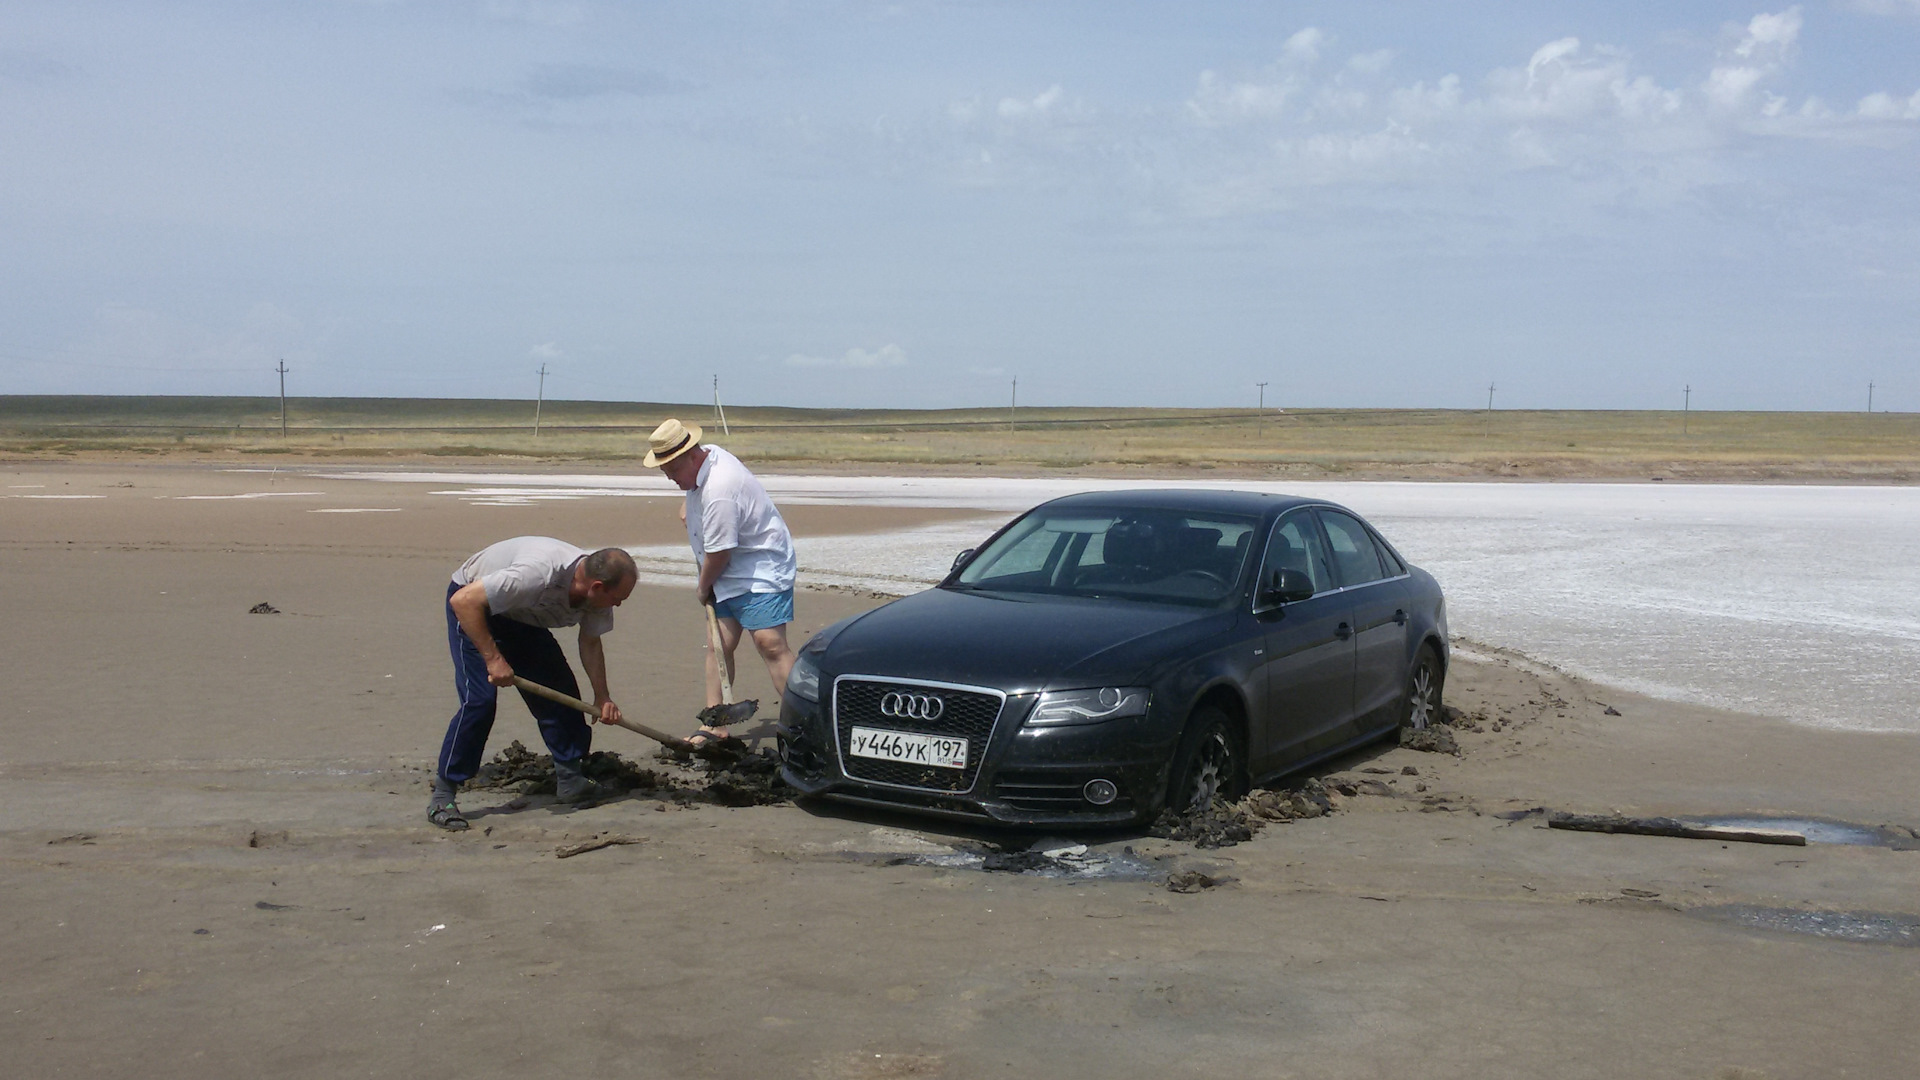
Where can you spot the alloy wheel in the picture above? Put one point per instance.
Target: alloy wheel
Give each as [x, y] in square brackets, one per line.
[1420, 707]
[1212, 769]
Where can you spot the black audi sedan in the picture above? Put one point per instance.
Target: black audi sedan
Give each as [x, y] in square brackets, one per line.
[1109, 654]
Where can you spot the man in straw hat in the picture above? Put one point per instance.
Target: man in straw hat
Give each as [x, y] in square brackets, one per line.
[500, 606]
[743, 549]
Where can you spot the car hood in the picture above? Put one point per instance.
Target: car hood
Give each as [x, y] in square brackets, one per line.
[1017, 642]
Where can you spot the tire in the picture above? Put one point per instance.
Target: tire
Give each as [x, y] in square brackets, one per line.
[1211, 762]
[1420, 702]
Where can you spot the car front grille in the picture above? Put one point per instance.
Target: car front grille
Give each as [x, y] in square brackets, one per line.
[969, 714]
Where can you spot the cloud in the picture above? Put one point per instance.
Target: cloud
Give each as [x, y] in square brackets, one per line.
[1884, 106]
[1770, 35]
[885, 356]
[1037, 106]
[1304, 47]
[548, 351]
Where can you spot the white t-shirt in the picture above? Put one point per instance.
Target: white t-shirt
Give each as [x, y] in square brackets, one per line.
[527, 579]
[728, 508]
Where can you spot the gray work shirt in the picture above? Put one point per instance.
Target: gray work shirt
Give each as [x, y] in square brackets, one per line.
[527, 579]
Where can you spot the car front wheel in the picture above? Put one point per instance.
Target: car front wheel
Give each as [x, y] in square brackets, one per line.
[1210, 762]
[1423, 690]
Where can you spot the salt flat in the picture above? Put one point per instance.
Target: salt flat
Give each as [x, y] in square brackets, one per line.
[1787, 601]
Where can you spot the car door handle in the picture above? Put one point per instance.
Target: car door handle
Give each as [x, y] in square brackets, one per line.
[1343, 631]
[1400, 616]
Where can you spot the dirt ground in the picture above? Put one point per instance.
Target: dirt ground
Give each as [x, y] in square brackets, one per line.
[214, 860]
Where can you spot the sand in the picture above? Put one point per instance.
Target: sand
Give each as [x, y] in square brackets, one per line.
[214, 863]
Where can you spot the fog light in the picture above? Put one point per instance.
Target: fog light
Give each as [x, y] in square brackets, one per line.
[1100, 792]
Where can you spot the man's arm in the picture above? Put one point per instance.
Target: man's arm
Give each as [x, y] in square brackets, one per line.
[470, 607]
[711, 567]
[594, 659]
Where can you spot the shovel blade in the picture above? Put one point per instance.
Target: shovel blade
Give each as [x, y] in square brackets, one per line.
[723, 715]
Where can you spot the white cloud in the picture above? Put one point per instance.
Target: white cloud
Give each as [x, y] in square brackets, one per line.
[1038, 106]
[1304, 47]
[1770, 34]
[548, 351]
[885, 356]
[1884, 106]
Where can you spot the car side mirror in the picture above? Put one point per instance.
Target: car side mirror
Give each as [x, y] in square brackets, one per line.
[1284, 587]
[963, 557]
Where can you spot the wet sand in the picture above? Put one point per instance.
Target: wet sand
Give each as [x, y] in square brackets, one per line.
[214, 862]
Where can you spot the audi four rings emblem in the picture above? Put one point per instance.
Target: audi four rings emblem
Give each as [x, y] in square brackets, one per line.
[912, 706]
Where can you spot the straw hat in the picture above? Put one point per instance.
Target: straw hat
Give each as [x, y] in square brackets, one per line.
[671, 439]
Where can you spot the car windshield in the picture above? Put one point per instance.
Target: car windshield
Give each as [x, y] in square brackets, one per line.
[1156, 554]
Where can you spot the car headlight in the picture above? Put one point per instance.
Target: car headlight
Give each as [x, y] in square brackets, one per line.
[804, 680]
[1059, 708]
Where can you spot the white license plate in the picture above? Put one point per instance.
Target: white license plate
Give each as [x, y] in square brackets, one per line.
[939, 751]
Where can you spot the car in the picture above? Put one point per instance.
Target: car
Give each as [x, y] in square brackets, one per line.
[1110, 654]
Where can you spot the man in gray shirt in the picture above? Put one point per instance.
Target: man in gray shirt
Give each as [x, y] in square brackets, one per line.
[501, 605]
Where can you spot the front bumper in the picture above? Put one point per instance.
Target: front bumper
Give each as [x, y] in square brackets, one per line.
[1029, 777]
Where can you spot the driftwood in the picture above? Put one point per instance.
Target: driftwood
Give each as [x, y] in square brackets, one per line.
[582, 848]
[1612, 823]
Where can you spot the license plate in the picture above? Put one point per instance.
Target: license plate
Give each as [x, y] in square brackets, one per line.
[939, 751]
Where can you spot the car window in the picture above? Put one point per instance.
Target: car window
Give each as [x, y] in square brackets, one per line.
[1354, 555]
[1144, 553]
[1388, 560]
[1296, 545]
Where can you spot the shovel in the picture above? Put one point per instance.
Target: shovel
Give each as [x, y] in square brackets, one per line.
[727, 712]
[571, 702]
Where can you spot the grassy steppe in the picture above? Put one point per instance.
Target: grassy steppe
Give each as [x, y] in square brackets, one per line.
[1416, 443]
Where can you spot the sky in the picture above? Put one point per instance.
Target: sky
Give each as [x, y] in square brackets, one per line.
[915, 203]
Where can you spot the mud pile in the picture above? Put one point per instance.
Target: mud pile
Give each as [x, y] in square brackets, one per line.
[751, 780]
[520, 769]
[1224, 824]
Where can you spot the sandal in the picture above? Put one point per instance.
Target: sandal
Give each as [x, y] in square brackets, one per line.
[707, 738]
[447, 815]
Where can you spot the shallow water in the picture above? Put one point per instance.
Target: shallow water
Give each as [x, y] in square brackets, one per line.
[1864, 927]
[1789, 601]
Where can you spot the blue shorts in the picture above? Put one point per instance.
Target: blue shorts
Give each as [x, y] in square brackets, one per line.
[757, 610]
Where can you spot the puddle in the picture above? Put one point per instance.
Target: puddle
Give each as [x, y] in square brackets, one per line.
[1818, 831]
[1053, 858]
[1865, 927]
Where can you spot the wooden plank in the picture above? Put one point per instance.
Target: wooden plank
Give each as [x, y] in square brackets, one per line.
[1614, 823]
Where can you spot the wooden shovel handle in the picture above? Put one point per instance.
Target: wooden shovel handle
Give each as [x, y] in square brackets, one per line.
[572, 702]
[719, 656]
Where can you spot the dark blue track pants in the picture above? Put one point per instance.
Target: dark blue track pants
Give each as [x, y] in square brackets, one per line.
[535, 655]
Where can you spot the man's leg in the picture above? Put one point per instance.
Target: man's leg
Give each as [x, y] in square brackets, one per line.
[536, 656]
[772, 643]
[467, 732]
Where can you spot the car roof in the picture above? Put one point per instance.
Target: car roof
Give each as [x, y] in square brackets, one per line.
[1203, 500]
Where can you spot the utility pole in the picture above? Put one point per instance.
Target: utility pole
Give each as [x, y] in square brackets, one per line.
[1260, 414]
[282, 369]
[1869, 397]
[719, 410]
[539, 400]
[1489, 410]
[1013, 403]
[1686, 408]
